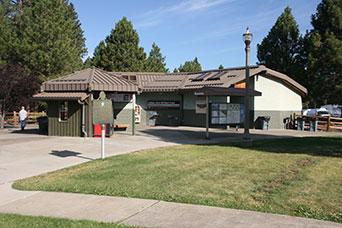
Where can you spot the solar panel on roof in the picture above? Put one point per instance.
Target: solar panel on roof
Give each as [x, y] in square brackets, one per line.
[200, 77]
[216, 76]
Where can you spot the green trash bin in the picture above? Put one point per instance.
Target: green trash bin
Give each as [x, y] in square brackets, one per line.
[262, 122]
[43, 124]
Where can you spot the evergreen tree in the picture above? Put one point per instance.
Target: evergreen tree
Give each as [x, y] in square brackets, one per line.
[190, 66]
[221, 67]
[51, 38]
[88, 63]
[155, 61]
[7, 35]
[280, 49]
[324, 54]
[97, 57]
[120, 51]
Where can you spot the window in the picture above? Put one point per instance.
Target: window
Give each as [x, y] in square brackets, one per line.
[63, 111]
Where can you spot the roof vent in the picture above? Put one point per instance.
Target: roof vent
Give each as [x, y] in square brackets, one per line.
[132, 77]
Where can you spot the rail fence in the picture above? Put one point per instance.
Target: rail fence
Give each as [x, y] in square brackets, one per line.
[320, 123]
[12, 118]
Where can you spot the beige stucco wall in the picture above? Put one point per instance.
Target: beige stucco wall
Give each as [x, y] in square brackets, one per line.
[275, 96]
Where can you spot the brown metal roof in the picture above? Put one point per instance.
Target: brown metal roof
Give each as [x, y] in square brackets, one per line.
[161, 82]
[90, 80]
[60, 96]
[97, 80]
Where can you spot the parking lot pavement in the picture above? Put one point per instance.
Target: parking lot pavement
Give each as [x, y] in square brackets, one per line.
[24, 155]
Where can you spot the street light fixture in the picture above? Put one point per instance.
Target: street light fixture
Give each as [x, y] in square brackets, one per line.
[247, 37]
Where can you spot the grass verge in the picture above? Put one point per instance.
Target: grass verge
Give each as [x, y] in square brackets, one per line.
[19, 221]
[297, 176]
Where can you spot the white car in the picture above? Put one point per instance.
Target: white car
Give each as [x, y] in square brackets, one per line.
[316, 112]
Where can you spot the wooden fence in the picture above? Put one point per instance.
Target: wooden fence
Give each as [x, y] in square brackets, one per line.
[12, 118]
[334, 124]
[323, 123]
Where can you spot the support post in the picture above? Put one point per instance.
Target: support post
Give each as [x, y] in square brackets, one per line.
[182, 110]
[103, 135]
[247, 39]
[328, 123]
[15, 119]
[133, 113]
[207, 118]
[2, 120]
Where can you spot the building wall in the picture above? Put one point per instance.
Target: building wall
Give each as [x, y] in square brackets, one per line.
[166, 116]
[185, 115]
[89, 116]
[123, 115]
[190, 118]
[277, 117]
[277, 101]
[71, 127]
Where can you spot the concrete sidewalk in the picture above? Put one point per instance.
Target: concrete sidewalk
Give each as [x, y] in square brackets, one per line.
[141, 212]
[27, 155]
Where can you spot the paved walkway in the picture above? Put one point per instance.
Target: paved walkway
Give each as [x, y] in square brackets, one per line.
[24, 155]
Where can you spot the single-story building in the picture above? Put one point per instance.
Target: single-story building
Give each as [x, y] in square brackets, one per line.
[144, 99]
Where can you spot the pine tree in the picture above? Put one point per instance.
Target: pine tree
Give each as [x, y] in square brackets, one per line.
[155, 61]
[120, 51]
[191, 66]
[324, 53]
[88, 63]
[7, 36]
[280, 49]
[221, 67]
[97, 57]
[51, 38]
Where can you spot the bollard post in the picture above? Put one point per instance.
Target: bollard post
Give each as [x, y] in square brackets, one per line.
[103, 134]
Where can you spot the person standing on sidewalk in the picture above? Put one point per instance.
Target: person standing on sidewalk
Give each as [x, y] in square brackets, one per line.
[22, 118]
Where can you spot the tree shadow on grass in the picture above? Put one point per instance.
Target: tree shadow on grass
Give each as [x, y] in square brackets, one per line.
[315, 146]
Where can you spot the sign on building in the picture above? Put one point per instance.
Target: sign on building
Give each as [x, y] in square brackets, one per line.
[137, 113]
[163, 104]
[222, 114]
[201, 106]
[233, 113]
[103, 110]
[121, 97]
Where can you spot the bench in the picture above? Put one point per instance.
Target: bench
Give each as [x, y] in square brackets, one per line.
[121, 126]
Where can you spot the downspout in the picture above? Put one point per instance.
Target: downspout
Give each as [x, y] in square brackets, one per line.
[83, 118]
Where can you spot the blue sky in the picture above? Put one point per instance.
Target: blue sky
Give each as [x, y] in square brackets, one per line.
[208, 29]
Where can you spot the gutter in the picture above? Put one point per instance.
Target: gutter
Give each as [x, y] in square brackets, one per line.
[83, 118]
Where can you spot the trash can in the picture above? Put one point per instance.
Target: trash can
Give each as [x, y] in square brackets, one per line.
[43, 124]
[173, 120]
[98, 130]
[151, 118]
[262, 122]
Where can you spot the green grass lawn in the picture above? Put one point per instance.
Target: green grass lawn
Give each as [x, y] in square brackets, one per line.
[297, 176]
[19, 221]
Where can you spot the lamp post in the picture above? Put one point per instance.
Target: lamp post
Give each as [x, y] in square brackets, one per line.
[247, 37]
